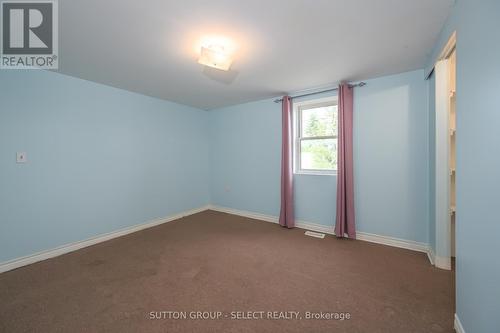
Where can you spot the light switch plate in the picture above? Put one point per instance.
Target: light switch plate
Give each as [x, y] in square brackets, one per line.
[21, 157]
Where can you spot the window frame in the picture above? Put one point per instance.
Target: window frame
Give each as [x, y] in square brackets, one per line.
[298, 107]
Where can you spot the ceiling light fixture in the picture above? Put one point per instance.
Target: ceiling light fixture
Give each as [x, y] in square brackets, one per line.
[215, 56]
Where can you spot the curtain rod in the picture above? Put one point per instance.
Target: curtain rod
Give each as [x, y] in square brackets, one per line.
[360, 84]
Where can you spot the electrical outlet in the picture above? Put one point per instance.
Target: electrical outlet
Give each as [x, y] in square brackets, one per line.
[21, 157]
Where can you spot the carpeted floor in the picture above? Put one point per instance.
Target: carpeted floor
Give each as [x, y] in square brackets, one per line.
[217, 262]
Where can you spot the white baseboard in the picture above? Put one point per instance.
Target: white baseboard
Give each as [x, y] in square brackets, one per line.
[431, 255]
[244, 213]
[458, 325]
[439, 262]
[442, 262]
[43, 255]
[393, 241]
[363, 236]
[273, 219]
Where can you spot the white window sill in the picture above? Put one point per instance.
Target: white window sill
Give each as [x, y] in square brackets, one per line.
[316, 173]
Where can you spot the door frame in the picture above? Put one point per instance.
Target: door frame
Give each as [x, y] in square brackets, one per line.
[442, 256]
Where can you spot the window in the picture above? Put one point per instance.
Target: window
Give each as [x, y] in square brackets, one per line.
[315, 136]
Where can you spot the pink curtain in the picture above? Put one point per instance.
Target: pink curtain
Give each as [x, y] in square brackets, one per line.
[345, 221]
[286, 212]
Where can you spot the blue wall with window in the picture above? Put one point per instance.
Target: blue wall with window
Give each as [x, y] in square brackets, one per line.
[92, 140]
[391, 160]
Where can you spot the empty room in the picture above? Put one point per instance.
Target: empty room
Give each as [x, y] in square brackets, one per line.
[249, 166]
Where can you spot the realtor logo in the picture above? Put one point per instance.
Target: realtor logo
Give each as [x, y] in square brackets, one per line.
[29, 34]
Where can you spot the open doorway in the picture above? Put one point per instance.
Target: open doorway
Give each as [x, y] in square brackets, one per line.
[445, 159]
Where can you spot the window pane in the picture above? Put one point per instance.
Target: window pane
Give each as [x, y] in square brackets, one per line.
[318, 154]
[320, 121]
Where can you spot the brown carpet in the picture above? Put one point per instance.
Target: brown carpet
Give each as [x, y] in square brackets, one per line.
[219, 262]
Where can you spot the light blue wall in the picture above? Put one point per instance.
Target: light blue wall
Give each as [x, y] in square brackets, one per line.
[391, 160]
[391, 156]
[245, 153]
[99, 159]
[478, 162]
[432, 162]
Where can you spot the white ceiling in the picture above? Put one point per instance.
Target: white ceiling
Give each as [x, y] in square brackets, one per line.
[283, 45]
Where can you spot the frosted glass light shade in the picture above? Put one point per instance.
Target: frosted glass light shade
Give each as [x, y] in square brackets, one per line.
[214, 56]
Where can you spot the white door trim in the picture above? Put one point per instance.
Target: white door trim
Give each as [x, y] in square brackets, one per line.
[442, 190]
